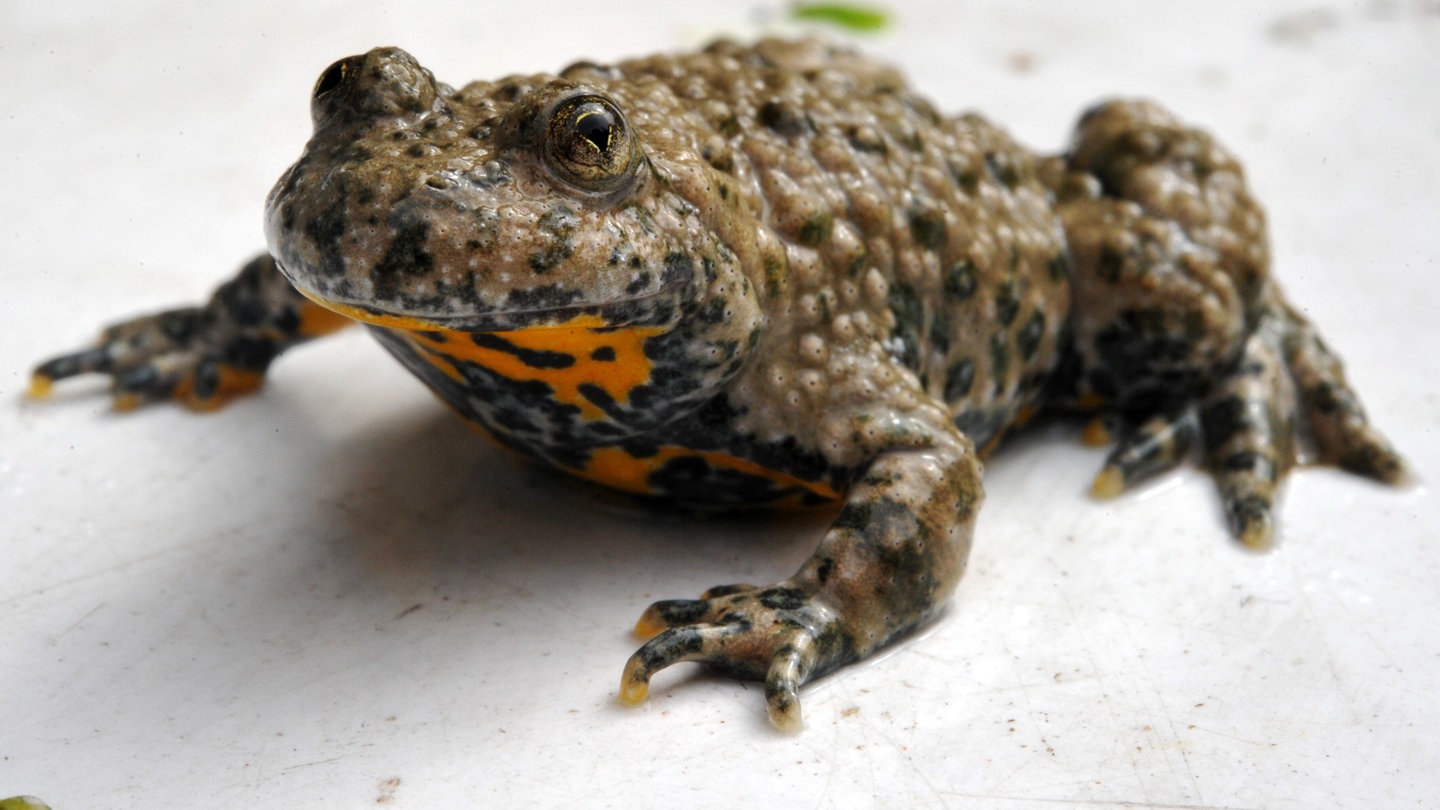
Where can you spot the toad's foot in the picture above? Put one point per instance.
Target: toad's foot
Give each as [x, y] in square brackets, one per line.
[780, 635]
[887, 564]
[1285, 386]
[1174, 315]
[1156, 445]
[157, 357]
[201, 356]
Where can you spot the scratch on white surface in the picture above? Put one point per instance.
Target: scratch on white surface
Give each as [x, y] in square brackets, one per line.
[302, 765]
[122, 566]
[1029, 712]
[1357, 625]
[1246, 740]
[1100, 803]
[54, 640]
[1177, 743]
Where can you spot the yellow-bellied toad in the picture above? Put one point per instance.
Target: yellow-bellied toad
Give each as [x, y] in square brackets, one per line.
[775, 275]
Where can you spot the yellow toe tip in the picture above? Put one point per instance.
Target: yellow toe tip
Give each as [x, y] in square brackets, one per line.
[648, 627]
[787, 722]
[634, 682]
[40, 386]
[1108, 484]
[1096, 434]
[633, 694]
[1258, 536]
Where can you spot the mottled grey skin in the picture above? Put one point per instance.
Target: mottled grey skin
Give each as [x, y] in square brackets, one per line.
[774, 274]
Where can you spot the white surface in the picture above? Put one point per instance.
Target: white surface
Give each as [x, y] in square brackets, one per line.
[332, 595]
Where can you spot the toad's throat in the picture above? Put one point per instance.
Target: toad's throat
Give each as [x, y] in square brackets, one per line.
[584, 361]
[592, 365]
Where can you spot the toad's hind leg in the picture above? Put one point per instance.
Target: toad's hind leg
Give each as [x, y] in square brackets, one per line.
[1248, 423]
[1287, 385]
[1174, 312]
[1158, 444]
[1336, 421]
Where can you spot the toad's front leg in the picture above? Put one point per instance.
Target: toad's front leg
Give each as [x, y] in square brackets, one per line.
[203, 356]
[889, 562]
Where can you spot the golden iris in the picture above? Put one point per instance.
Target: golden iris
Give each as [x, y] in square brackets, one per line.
[588, 144]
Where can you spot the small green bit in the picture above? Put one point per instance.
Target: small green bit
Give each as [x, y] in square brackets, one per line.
[23, 803]
[856, 18]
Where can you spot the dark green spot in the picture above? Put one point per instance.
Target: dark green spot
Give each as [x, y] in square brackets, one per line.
[1002, 167]
[774, 276]
[940, 330]
[784, 119]
[967, 180]
[958, 379]
[325, 230]
[816, 229]
[960, 280]
[857, 265]
[1058, 267]
[557, 252]
[1007, 303]
[825, 303]
[928, 226]
[909, 312]
[407, 257]
[1028, 340]
[999, 359]
[1110, 264]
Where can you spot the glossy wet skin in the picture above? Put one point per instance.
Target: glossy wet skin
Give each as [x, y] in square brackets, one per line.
[771, 275]
[760, 244]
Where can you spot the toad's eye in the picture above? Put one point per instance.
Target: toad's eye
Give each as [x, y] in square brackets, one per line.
[333, 77]
[589, 145]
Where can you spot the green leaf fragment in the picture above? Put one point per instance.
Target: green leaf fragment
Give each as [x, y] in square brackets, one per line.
[856, 18]
[23, 803]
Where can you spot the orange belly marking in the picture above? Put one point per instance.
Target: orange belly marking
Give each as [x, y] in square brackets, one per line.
[620, 470]
[567, 357]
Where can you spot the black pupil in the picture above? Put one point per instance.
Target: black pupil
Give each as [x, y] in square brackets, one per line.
[596, 126]
[331, 78]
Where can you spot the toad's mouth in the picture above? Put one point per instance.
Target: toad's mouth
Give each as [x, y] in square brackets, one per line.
[652, 308]
[467, 308]
[646, 311]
